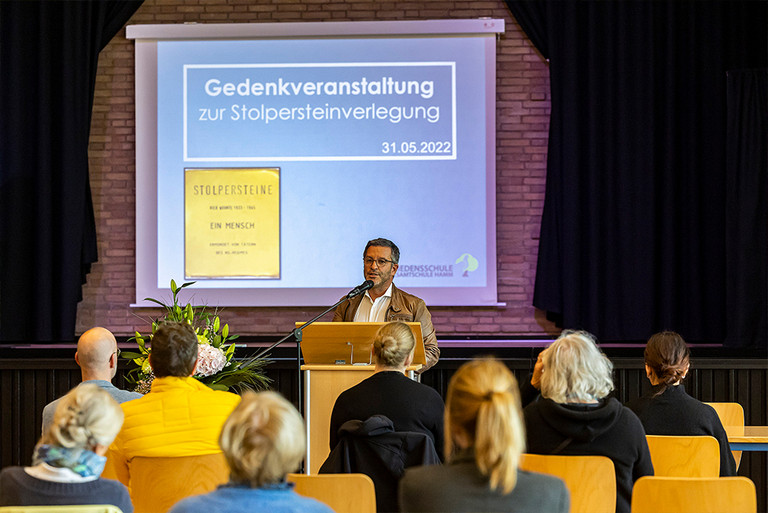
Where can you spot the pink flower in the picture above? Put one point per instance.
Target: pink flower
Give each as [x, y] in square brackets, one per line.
[210, 360]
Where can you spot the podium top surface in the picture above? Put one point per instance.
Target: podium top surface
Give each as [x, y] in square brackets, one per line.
[333, 343]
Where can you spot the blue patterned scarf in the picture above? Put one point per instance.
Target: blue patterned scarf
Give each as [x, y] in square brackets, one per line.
[80, 461]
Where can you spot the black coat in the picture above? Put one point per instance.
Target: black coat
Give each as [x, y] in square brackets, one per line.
[605, 429]
[374, 448]
[411, 406]
[676, 413]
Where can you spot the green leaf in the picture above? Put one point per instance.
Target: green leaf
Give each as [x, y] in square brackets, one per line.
[129, 355]
[153, 300]
[225, 331]
[174, 290]
[216, 324]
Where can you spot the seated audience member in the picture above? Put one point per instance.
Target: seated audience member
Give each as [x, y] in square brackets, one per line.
[69, 458]
[411, 406]
[179, 416]
[667, 409]
[97, 355]
[574, 416]
[262, 440]
[484, 439]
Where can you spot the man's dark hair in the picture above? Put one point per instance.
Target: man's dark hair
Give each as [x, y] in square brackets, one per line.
[174, 350]
[385, 243]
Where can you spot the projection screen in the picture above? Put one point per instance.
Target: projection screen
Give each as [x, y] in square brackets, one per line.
[267, 155]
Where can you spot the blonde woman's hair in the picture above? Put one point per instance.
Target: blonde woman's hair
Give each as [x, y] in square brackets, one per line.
[575, 370]
[483, 404]
[262, 439]
[392, 344]
[87, 416]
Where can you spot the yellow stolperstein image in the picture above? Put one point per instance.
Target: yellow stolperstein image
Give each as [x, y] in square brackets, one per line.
[232, 223]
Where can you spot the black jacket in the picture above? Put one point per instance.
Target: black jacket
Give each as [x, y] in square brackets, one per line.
[674, 412]
[374, 448]
[605, 429]
[410, 405]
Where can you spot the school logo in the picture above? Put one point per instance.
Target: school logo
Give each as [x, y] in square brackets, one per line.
[470, 262]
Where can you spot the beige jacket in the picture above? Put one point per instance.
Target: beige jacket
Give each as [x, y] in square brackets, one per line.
[403, 307]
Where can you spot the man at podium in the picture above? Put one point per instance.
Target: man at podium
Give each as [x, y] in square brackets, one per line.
[384, 302]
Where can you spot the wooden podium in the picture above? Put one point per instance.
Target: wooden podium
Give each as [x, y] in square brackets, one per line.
[337, 356]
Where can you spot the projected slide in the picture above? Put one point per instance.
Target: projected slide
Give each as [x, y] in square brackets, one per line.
[277, 159]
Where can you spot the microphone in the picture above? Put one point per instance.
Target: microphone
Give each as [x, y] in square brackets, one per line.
[367, 284]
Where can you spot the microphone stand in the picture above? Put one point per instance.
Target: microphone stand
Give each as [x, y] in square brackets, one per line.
[296, 333]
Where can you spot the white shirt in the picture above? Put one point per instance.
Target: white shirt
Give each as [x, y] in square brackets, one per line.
[374, 311]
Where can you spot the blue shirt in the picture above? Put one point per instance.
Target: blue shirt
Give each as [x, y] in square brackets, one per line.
[278, 498]
[117, 394]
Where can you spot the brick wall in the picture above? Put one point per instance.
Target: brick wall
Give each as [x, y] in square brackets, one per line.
[522, 113]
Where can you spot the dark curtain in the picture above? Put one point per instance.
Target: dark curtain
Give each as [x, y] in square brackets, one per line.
[633, 236]
[48, 58]
[747, 215]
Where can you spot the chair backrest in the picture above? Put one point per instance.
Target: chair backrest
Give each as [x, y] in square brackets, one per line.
[87, 508]
[653, 494]
[684, 456]
[159, 483]
[343, 493]
[731, 414]
[591, 480]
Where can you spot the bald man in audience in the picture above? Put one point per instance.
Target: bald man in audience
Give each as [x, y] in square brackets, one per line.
[96, 355]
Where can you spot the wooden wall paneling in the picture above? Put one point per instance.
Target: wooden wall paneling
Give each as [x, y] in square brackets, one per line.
[9, 426]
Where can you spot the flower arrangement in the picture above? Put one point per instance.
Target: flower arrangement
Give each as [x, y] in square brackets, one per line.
[215, 367]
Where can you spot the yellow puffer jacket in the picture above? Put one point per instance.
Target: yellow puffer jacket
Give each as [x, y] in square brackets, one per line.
[179, 417]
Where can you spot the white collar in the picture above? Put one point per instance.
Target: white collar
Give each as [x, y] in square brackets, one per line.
[387, 294]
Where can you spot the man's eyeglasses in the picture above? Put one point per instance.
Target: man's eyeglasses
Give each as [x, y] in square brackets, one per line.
[381, 262]
[117, 352]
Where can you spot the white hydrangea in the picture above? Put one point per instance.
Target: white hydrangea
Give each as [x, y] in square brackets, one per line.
[210, 360]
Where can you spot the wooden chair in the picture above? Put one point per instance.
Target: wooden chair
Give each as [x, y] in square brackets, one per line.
[653, 494]
[731, 414]
[684, 456]
[87, 508]
[591, 480]
[159, 483]
[343, 493]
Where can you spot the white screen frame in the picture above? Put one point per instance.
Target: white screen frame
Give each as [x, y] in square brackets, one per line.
[147, 36]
